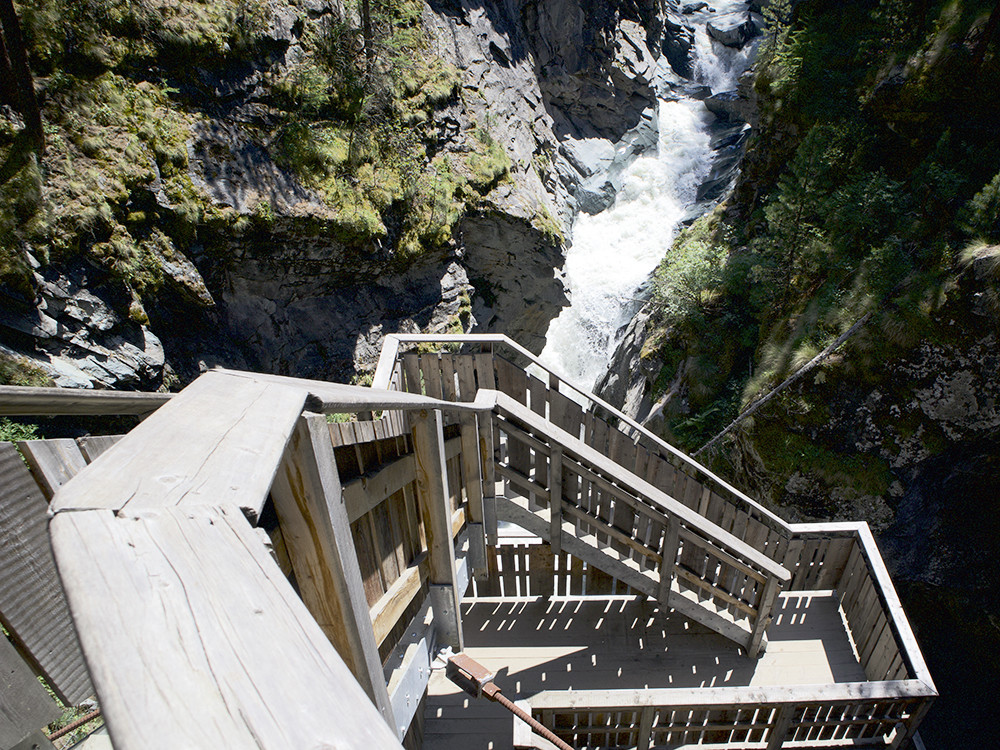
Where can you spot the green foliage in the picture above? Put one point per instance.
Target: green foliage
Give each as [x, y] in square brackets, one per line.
[689, 276]
[16, 370]
[981, 216]
[12, 432]
[874, 165]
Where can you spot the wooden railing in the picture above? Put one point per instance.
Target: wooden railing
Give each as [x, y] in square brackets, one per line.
[596, 503]
[885, 711]
[844, 714]
[582, 501]
[182, 612]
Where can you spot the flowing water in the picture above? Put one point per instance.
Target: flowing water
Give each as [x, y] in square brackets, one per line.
[615, 251]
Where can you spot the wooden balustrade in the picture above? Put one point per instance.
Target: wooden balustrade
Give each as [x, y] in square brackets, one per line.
[661, 548]
[882, 714]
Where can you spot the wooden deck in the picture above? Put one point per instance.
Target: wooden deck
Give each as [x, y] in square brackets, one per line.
[621, 643]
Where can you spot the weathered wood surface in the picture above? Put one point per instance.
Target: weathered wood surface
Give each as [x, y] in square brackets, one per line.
[434, 496]
[16, 400]
[32, 605]
[24, 704]
[628, 645]
[229, 434]
[317, 534]
[590, 458]
[52, 462]
[93, 446]
[227, 655]
[327, 398]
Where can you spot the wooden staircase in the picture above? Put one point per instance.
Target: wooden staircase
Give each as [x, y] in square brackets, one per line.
[562, 490]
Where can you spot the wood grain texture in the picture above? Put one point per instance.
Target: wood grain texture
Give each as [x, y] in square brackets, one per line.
[31, 599]
[219, 442]
[24, 704]
[24, 401]
[52, 462]
[196, 640]
[318, 537]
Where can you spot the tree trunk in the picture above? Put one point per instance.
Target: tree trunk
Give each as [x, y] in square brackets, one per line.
[17, 57]
[366, 29]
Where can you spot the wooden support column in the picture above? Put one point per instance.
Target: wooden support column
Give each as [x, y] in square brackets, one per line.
[432, 492]
[668, 550]
[767, 599]
[473, 476]
[310, 508]
[645, 736]
[555, 499]
[779, 730]
[487, 436]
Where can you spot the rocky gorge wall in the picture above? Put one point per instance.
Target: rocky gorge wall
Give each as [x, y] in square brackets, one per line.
[280, 285]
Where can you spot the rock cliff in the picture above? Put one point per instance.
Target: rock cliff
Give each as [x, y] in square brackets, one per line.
[253, 265]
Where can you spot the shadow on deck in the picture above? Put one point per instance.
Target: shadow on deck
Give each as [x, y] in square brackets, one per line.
[621, 643]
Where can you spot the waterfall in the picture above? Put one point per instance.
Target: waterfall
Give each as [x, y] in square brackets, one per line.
[614, 252]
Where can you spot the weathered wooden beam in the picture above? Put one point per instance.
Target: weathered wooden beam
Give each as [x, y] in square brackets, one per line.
[32, 605]
[668, 559]
[487, 438]
[52, 462]
[555, 500]
[779, 729]
[771, 590]
[24, 704]
[317, 534]
[385, 613]
[228, 433]
[17, 400]
[195, 639]
[433, 494]
[473, 476]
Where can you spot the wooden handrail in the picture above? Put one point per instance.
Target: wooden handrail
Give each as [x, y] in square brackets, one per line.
[390, 352]
[589, 457]
[24, 401]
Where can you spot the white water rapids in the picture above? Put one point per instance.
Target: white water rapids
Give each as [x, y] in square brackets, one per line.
[615, 251]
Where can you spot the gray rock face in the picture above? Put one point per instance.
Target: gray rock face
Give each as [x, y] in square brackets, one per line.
[77, 336]
[734, 31]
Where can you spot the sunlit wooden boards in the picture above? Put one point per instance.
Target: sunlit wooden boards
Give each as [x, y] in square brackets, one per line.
[24, 704]
[226, 650]
[228, 431]
[31, 600]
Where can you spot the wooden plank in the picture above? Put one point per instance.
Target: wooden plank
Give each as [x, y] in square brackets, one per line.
[52, 462]
[24, 704]
[318, 537]
[466, 369]
[411, 371]
[433, 495]
[17, 400]
[555, 500]
[386, 612]
[185, 599]
[541, 566]
[93, 446]
[32, 605]
[230, 431]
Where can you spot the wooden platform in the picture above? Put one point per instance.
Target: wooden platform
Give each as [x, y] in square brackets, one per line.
[621, 643]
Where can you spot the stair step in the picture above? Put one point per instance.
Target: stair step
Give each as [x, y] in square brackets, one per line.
[605, 558]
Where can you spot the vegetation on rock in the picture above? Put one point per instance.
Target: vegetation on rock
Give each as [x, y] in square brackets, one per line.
[871, 186]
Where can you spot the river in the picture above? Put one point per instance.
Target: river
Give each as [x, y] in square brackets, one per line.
[614, 252]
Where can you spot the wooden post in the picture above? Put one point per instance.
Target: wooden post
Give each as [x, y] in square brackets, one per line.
[668, 551]
[779, 730]
[310, 508]
[555, 499]
[763, 616]
[473, 475]
[432, 492]
[904, 733]
[487, 436]
[645, 737]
